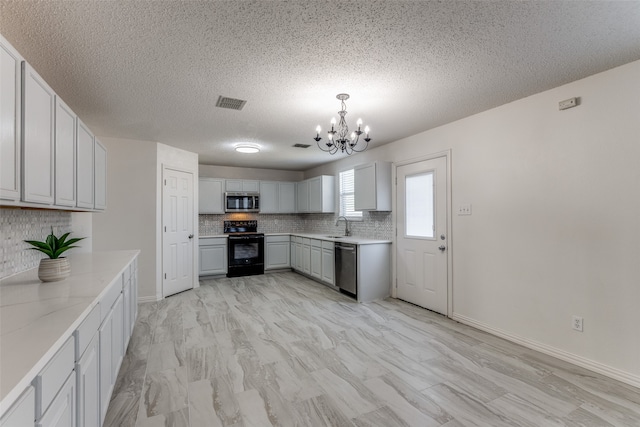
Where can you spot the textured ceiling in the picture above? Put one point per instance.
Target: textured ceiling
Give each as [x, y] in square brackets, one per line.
[153, 70]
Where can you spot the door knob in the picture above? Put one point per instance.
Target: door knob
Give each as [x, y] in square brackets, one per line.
[191, 236]
[442, 248]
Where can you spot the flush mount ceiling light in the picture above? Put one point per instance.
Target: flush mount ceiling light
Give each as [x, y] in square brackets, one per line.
[339, 138]
[247, 149]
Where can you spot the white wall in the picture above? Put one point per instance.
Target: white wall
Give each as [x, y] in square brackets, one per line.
[210, 171]
[556, 218]
[188, 162]
[129, 221]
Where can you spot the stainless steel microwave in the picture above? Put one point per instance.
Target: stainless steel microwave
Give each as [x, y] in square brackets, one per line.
[241, 202]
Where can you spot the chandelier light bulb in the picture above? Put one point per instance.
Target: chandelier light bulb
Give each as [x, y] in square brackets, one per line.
[330, 136]
[333, 121]
[318, 129]
[353, 136]
[359, 122]
[366, 130]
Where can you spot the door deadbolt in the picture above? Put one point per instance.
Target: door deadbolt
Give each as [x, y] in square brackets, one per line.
[442, 237]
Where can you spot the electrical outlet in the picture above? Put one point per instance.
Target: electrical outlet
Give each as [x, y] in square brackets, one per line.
[568, 103]
[576, 323]
[464, 210]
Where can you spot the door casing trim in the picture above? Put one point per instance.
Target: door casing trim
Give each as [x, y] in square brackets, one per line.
[394, 176]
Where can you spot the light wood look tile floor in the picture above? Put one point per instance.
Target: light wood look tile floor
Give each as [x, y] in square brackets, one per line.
[281, 350]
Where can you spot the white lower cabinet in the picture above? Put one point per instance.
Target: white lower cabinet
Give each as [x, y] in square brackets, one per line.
[88, 385]
[21, 412]
[328, 261]
[277, 252]
[212, 253]
[316, 258]
[117, 338]
[62, 412]
[105, 334]
[306, 256]
[299, 255]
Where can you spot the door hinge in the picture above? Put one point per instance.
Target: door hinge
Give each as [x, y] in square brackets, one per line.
[165, 182]
[165, 228]
[165, 275]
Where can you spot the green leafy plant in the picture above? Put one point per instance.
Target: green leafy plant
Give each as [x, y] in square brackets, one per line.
[53, 246]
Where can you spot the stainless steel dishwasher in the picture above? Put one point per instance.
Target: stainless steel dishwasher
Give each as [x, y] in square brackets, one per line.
[346, 267]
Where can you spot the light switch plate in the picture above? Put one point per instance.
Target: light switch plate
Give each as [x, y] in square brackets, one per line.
[464, 209]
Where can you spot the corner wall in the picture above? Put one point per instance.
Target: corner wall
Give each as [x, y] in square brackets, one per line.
[555, 227]
[129, 221]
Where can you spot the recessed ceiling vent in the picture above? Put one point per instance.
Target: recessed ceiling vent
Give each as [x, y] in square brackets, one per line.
[230, 103]
[301, 145]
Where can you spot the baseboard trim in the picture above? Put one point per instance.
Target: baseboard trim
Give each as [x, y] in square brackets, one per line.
[583, 362]
[146, 299]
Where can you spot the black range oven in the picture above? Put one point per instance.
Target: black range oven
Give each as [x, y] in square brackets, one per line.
[245, 248]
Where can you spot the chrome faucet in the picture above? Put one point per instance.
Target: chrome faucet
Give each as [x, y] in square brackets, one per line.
[347, 232]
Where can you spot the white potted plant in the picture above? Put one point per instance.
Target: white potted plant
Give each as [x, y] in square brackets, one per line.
[55, 267]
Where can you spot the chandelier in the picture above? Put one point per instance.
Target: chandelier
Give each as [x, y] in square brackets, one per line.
[339, 138]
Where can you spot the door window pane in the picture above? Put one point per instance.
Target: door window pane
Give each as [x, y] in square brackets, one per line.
[419, 205]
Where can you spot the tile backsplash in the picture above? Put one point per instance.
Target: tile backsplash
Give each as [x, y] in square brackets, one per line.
[17, 225]
[374, 225]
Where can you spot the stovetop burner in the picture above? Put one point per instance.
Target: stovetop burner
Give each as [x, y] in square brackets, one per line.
[241, 227]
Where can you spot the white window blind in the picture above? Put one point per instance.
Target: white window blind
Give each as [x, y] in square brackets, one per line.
[347, 198]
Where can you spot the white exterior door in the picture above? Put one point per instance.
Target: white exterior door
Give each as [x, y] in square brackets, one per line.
[178, 241]
[421, 258]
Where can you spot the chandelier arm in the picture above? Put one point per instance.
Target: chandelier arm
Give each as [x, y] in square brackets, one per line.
[365, 147]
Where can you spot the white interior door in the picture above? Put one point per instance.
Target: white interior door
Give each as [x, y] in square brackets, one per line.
[178, 242]
[421, 258]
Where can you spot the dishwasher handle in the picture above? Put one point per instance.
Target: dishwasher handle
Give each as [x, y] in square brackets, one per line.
[346, 248]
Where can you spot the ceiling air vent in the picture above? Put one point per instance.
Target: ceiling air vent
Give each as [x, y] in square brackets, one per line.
[230, 103]
[301, 145]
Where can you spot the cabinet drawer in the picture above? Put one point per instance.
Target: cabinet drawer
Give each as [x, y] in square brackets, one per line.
[316, 243]
[328, 244]
[107, 301]
[212, 241]
[272, 239]
[86, 331]
[306, 242]
[22, 412]
[51, 379]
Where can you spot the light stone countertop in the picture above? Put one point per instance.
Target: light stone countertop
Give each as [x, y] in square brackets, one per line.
[329, 237]
[37, 318]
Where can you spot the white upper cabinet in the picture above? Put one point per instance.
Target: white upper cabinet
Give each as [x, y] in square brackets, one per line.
[10, 121]
[302, 196]
[321, 194]
[242, 185]
[100, 174]
[287, 197]
[38, 138]
[85, 167]
[210, 196]
[65, 155]
[277, 197]
[269, 202]
[372, 183]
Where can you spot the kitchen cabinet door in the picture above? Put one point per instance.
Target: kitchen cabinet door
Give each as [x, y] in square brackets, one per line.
[62, 412]
[299, 257]
[11, 119]
[84, 166]
[21, 412]
[302, 196]
[316, 259]
[117, 338]
[277, 252]
[213, 257]
[88, 385]
[65, 155]
[372, 187]
[126, 295]
[100, 175]
[242, 185]
[306, 257]
[286, 197]
[106, 384]
[321, 194]
[210, 196]
[269, 197]
[38, 138]
[328, 260]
